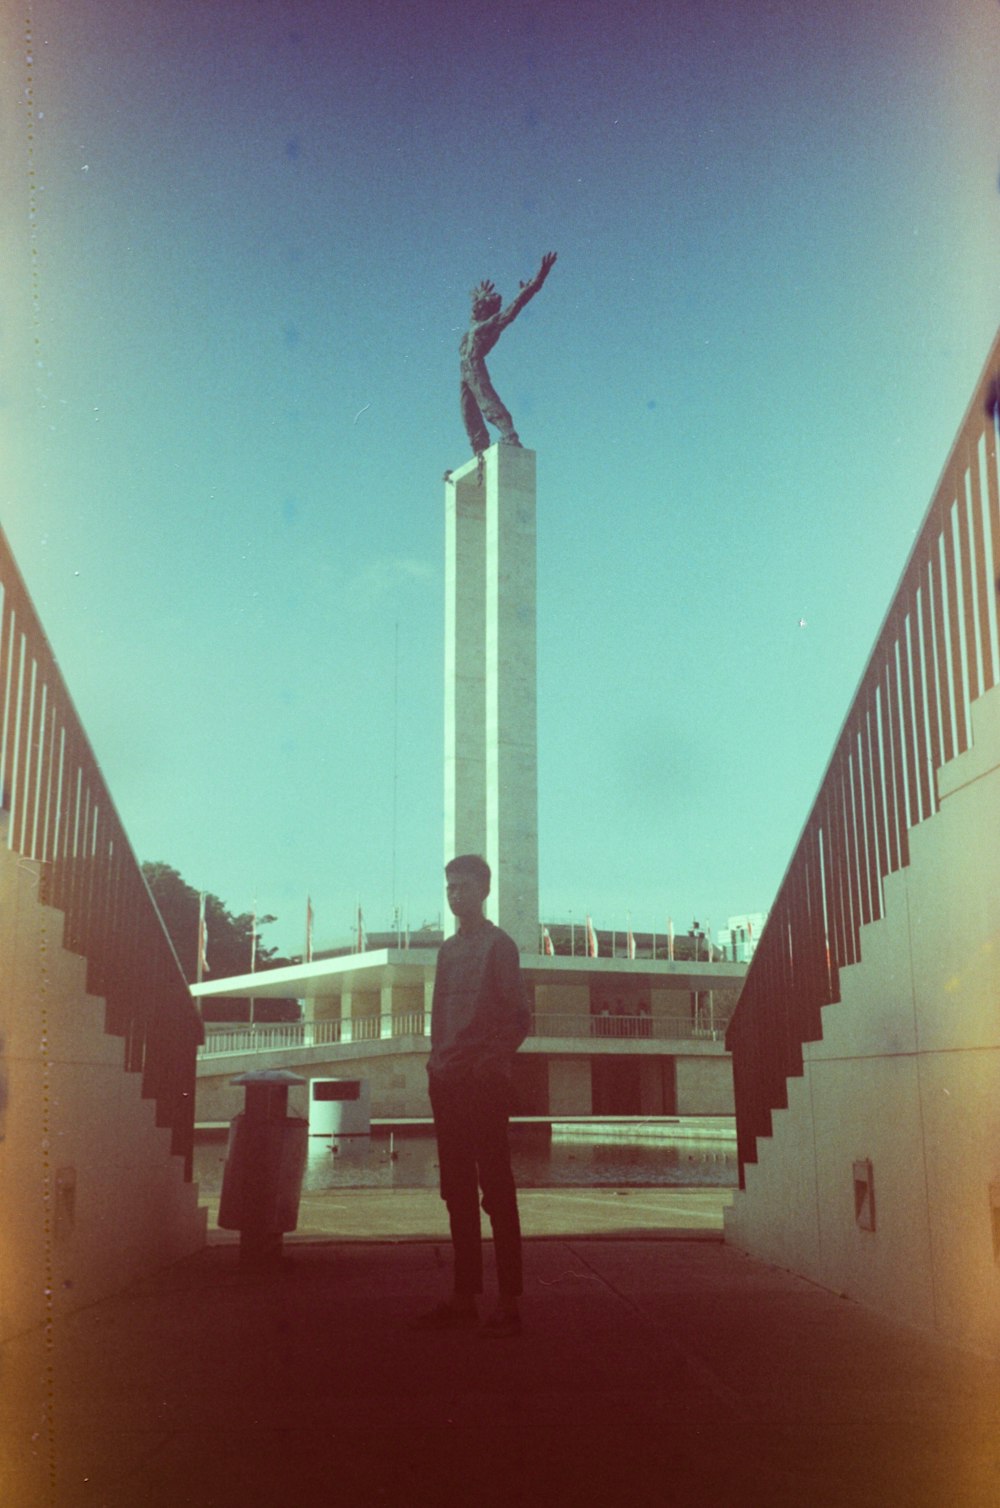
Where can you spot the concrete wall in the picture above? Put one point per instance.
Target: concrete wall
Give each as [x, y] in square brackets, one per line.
[398, 1082]
[570, 1091]
[680, 1083]
[704, 1085]
[907, 1076]
[560, 1000]
[397, 1075]
[91, 1196]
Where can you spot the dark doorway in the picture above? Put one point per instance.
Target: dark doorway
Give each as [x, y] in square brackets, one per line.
[530, 1085]
[615, 1081]
[668, 1068]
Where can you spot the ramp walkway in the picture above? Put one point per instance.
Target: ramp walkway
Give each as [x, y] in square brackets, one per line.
[652, 1371]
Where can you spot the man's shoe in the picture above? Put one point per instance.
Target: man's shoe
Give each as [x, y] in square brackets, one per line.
[500, 1326]
[446, 1316]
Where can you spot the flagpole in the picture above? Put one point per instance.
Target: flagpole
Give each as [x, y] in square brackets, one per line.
[202, 939]
[253, 954]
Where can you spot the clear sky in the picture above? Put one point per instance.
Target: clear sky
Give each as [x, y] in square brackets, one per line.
[238, 239]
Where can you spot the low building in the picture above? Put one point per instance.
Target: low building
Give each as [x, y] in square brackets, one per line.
[610, 1036]
[742, 935]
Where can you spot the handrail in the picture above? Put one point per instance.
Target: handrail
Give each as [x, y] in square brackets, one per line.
[937, 652]
[62, 816]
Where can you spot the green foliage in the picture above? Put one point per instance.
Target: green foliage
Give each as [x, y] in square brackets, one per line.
[229, 944]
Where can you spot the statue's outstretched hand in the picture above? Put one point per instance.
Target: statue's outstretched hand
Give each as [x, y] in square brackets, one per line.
[547, 260]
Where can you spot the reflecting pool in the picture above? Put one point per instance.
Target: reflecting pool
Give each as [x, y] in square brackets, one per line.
[407, 1159]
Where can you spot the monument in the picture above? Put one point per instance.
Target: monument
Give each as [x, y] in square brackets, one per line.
[491, 743]
[480, 400]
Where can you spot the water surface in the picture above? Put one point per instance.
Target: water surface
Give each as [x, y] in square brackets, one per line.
[408, 1160]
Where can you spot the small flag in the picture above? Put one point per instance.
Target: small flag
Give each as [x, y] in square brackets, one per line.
[631, 940]
[591, 939]
[361, 930]
[203, 966]
[548, 947]
[670, 938]
[309, 929]
[253, 939]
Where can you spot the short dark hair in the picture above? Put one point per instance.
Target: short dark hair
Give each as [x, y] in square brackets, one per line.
[472, 864]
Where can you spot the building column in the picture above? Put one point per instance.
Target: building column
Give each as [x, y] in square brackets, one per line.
[317, 1012]
[491, 739]
[385, 1028]
[464, 667]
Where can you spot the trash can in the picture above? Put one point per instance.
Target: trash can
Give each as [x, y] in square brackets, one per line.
[340, 1107]
[265, 1161]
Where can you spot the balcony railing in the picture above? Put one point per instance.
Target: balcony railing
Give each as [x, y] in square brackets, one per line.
[61, 815]
[221, 1041]
[637, 1028]
[938, 652]
[287, 1036]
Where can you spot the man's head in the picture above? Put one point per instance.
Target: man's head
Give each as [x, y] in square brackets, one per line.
[486, 301]
[467, 879]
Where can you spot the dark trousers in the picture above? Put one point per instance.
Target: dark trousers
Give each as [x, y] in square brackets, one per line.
[470, 1119]
[480, 401]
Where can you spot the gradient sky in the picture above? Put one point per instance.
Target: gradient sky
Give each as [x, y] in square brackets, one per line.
[238, 239]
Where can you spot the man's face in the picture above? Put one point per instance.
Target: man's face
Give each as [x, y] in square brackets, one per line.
[466, 894]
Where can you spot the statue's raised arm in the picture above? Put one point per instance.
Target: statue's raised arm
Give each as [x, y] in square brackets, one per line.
[527, 290]
[479, 399]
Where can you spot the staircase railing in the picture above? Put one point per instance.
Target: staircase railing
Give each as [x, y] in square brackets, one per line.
[61, 815]
[936, 653]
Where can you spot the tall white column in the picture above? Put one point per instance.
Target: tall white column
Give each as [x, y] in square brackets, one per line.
[465, 665]
[491, 739]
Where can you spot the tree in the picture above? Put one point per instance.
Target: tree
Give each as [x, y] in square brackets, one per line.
[230, 944]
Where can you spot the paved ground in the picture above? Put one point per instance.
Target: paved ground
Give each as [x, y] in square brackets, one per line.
[418, 1214]
[651, 1371]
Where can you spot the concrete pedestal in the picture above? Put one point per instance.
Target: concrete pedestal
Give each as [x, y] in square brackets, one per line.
[491, 742]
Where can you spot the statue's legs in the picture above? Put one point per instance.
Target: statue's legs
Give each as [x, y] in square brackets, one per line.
[472, 418]
[484, 403]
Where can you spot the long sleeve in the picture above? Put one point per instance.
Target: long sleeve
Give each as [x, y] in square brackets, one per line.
[513, 1018]
[480, 1013]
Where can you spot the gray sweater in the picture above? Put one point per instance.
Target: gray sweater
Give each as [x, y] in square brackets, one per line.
[480, 1014]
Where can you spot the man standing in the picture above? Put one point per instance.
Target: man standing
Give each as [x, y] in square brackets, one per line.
[479, 1019]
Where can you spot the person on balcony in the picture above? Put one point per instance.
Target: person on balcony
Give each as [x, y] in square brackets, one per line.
[479, 1018]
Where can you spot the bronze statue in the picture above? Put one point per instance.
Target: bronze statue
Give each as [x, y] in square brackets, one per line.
[479, 397]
